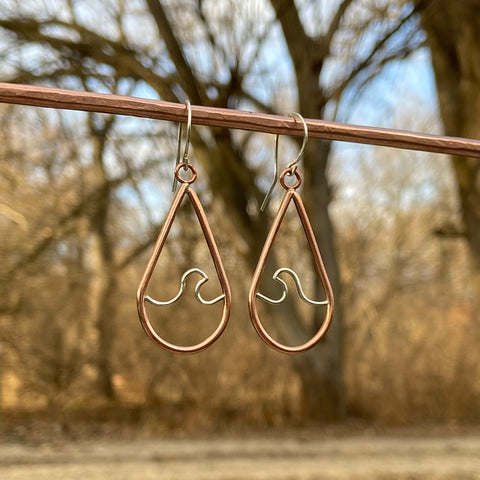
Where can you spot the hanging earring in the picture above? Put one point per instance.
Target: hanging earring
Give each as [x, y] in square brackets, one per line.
[185, 190]
[290, 195]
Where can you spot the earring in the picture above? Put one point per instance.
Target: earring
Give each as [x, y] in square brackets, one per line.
[185, 190]
[290, 195]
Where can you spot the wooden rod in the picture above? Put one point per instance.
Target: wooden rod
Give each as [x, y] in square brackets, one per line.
[221, 117]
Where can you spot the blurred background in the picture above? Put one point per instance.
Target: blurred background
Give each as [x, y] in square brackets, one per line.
[83, 197]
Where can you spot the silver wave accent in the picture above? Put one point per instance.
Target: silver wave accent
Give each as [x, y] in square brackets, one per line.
[285, 289]
[183, 282]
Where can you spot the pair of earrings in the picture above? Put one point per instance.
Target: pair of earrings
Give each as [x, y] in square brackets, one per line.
[184, 168]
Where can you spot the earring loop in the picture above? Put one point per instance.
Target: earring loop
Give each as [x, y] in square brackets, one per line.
[185, 191]
[291, 195]
[292, 166]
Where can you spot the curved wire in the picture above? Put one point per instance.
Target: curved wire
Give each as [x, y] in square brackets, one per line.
[189, 130]
[179, 142]
[275, 177]
[183, 282]
[285, 289]
[292, 165]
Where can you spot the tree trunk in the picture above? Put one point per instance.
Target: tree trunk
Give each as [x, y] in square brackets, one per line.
[321, 369]
[453, 35]
[104, 283]
[329, 385]
[230, 176]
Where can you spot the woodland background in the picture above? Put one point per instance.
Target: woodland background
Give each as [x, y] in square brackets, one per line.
[83, 197]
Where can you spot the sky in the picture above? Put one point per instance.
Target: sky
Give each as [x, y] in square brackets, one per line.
[401, 88]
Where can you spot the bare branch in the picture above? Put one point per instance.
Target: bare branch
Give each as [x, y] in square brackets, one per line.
[188, 79]
[370, 59]
[210, 35]
[260, 41]
[262, 106]
[335, 23]
[298, 42]
[287, 15]
[398, 54]
[63, 226]
[125, 60]
[138, 250]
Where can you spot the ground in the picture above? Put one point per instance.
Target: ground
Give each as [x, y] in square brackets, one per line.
[294, 456]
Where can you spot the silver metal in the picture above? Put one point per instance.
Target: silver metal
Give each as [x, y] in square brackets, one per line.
[298, 284]
[292, 166]
[184, 159]
[275, 177]
[177, 159]
[183, 282]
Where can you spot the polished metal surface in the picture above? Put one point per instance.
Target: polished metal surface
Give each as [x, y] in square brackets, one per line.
[292, 166]
[291, 195]
[142, 297]
[183, 283]
[184, 159]
[39, 96]
[298, 284]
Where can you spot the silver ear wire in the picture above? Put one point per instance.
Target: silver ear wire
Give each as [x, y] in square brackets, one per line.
[292, 165]
[179, 142]
[275, 177]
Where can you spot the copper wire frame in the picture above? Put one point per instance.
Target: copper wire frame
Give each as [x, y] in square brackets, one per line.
[185, 190]
[289, 196]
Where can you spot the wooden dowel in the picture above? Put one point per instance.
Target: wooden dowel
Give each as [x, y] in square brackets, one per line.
[236, 119]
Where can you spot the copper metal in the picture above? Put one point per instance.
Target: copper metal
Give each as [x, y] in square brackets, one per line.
[222, 117]
[185, 190]
[290, 195]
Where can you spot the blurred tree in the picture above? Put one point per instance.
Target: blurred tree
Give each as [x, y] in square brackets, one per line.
[412, 352]
[229, 54]
[45, 349]
[452, 30]
[63, 259]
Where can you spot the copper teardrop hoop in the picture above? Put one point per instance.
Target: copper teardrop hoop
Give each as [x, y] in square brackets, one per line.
[290, 195]
[142, 297]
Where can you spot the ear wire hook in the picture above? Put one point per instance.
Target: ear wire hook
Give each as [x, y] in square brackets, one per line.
[275, 177]
[179, 143]
[292, 166]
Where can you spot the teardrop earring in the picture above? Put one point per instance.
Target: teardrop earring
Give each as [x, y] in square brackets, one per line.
[185, 190]
[290, 195]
